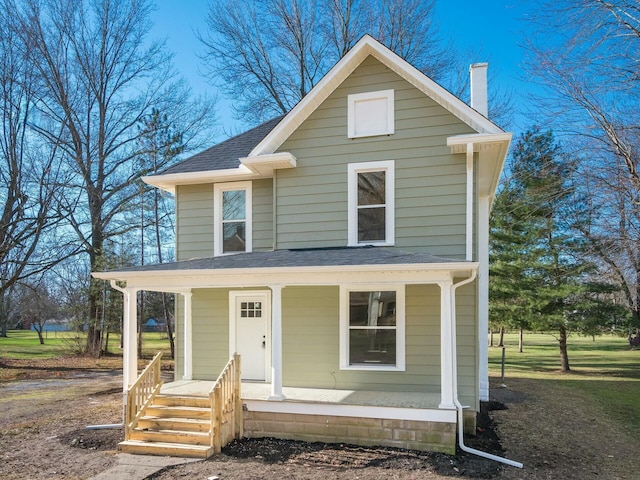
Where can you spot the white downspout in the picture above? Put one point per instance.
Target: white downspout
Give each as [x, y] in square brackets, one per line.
[456, 401]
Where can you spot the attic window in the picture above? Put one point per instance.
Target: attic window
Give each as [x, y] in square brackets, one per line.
[370, 114]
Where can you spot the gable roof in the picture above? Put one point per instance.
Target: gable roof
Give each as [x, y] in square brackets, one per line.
[366, 46]
[238, 158]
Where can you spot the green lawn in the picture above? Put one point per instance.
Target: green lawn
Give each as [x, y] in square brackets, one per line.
[24, 344]
[606, 369]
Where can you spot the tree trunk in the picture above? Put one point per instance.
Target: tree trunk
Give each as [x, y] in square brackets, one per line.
[564, 357]
[501, 338]
[520, 340]
[39, 330]
[140, 324]
[491, 337]
[167, 316]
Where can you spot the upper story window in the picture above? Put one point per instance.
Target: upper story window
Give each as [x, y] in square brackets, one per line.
[371, 203]
[232, 218]
[370, 114]
[372, 334]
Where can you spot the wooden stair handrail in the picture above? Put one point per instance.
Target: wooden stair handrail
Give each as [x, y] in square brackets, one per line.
[226, 405]
[142, 392]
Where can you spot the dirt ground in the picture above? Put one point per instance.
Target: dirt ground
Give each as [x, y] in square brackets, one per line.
[555, 434]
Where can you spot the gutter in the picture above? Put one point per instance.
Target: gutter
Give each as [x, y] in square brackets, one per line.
[456, 401]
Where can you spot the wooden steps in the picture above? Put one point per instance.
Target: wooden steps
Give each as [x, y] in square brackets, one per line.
[173, 426]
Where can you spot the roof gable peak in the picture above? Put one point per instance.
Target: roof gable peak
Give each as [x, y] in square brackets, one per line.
[365, 47]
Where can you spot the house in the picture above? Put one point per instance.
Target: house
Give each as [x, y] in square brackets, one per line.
[342, 251]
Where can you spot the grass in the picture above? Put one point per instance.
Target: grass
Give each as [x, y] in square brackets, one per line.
[24, 344]
[604, 370]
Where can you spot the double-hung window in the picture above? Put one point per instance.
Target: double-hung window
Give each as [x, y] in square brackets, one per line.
[371, 193]
[232, 218]
[372, 333]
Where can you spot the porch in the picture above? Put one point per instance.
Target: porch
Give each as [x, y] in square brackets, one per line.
[260, 392]
[411, 420]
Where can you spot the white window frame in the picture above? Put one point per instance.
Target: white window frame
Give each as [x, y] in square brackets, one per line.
[388, 166]
[218, 190]
[384, 97]
[400, 365]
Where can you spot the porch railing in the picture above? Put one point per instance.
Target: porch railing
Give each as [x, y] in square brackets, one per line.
[226, 406]
[141, 393]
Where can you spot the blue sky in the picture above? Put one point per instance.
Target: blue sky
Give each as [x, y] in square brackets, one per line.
[494, 28]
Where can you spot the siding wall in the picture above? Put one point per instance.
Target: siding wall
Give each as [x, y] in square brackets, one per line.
[311, 338]
[194, 219]
[430, 181]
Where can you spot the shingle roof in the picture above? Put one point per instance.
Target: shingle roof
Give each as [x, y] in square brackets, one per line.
[311, 257]
[225, 155]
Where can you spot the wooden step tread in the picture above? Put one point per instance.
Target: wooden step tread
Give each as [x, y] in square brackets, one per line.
[155, 418]
[166, 448]
[171, 431]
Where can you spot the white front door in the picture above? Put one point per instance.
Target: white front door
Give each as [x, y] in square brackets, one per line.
[249, 332]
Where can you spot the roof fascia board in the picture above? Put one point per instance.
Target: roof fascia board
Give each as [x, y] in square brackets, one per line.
[478, 138]
[330, 275]
[344, 67]
[169, 182]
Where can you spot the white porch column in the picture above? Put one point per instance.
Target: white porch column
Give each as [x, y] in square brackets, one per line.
[446, 350]
[188, 338]
[276, 343]
[483, 297]
[130, 341]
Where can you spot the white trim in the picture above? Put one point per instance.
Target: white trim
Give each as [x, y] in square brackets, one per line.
[305, 276]
[447, 362]
[276, 343]
[388, 166]
[360, 411]
[188, 338]
[130, 341]
[399, 289]
[483, 296]
[385, 106]
[169, 181]
[218, 190]
[233, 316]
[361, 50]
[469, 214]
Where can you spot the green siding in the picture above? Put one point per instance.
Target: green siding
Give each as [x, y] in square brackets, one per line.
[194, 225]
[194, 221]
[262, 204]
[311, 339]
[430, 181]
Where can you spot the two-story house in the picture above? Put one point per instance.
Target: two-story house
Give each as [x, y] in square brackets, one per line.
[342, 251]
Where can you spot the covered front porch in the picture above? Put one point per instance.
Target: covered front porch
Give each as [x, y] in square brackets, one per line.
[416, 404]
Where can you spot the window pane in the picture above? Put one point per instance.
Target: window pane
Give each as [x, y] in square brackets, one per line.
[372, 309]
[372, 346]
[233, 237]
[371, 224]
[233, 205]
[371, 188]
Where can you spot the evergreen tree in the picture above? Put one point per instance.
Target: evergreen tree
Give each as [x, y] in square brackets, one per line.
[540, 277]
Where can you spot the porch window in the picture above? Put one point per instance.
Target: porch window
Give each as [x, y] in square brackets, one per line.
[371, 203]
[232, 218]
[372, 336]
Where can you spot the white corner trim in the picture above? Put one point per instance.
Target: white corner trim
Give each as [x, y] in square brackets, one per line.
[469, 199]
[218, 189]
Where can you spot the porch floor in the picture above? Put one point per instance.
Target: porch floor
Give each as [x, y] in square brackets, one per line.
[261, 391]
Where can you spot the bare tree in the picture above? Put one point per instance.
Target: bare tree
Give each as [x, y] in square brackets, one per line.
[38, 306]
[98, 76]
[587, 58]
[28, 173]
[267, 54]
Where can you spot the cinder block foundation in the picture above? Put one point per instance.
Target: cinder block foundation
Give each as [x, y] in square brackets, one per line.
[409, 434]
